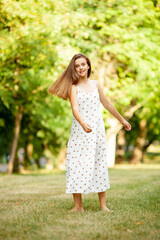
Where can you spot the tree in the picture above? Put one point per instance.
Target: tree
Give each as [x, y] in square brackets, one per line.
[26, 59]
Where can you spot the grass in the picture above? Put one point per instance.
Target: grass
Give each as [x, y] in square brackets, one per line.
[35, 206]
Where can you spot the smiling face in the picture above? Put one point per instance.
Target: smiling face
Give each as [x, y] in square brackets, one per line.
[81, 67]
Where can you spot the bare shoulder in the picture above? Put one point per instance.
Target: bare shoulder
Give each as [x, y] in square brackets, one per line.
[74, 88]
[73, 91]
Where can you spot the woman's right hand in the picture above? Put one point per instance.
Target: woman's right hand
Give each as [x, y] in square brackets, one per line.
[86, 127]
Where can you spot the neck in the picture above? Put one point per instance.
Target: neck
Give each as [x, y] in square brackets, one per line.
[83, 79]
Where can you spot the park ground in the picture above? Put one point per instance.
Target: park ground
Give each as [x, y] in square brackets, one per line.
[35, 206]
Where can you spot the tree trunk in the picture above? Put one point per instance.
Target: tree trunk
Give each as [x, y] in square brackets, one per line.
[145, 148]
[107, 68]
[140, 143]
[61, 159]
[15, 140]
[111, 140]
[115, 127]
[120, 143]
[29, 150]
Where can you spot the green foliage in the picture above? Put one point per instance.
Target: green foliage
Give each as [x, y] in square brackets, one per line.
[28, 59]
[38, 39]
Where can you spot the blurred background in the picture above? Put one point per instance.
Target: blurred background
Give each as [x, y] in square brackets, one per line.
[38, 39]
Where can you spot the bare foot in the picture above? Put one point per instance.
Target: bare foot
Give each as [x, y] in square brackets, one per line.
[76, 210]
[107, 210]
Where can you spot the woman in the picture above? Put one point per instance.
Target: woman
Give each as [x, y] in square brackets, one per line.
[86, 162]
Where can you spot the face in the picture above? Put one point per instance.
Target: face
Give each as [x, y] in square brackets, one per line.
[81, 66]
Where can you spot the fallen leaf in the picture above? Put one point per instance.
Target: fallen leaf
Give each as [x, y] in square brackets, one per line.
[139, 223]
[17, 203]
[155, 231]
[128, 230]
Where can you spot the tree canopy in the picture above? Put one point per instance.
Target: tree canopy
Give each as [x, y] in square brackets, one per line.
[38, 39]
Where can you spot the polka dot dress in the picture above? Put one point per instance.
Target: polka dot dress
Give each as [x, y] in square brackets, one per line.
[86, 162]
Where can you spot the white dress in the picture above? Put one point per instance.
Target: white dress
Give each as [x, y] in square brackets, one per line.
[86, 161]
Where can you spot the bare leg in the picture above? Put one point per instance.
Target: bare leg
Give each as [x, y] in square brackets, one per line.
[102, 201]
[77, 203]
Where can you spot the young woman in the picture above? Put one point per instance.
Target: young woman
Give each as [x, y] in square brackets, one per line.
[86, 162]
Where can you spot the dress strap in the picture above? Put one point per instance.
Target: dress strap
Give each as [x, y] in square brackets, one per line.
[93, 83]
[93, 87]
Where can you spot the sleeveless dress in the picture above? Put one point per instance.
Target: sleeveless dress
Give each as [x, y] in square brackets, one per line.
[86, 161]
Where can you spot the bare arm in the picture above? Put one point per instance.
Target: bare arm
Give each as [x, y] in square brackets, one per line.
[74, 104]
[108, 105]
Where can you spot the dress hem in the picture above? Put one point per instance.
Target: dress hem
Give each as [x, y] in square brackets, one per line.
[89, 192]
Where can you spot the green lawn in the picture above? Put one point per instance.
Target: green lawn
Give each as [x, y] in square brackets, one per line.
[27, 212]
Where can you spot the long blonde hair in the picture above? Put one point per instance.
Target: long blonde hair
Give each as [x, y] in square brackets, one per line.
[62, 86]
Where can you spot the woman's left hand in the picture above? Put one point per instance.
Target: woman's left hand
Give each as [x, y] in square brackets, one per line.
[126, 125]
